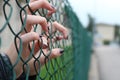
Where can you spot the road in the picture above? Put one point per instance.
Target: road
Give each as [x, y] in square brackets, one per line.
[107, 63]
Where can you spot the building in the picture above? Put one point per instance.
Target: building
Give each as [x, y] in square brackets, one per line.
[105, 32]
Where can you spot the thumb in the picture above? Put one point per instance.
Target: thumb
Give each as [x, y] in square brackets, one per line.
[51, 55]
[56, 53]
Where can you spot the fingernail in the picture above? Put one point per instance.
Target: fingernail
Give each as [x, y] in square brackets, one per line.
[61, 51]
[40, 35]
[48, 27]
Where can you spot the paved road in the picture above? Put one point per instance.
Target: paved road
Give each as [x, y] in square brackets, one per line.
[108, 61]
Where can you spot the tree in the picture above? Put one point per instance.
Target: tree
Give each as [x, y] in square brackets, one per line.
[91, 23]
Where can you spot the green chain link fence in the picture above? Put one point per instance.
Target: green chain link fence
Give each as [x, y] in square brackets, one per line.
[74, 64]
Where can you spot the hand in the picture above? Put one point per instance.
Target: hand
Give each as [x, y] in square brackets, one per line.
[47, 54]
[30, 35]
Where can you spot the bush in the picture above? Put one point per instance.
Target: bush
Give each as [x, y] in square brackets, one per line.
[106, 42]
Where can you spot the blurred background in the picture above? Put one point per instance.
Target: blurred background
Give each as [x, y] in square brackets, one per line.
[105, 14]
[102, 18]
[105, 17]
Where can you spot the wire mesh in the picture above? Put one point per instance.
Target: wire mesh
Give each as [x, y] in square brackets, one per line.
[72, 65]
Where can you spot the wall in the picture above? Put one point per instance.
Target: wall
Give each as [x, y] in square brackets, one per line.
[106, 31]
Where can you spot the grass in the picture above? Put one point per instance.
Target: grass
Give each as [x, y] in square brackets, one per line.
[57, 69]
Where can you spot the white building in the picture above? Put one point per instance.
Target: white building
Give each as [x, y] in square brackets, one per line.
[104, 32]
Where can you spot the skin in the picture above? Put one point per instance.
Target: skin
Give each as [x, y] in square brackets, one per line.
[28, 37]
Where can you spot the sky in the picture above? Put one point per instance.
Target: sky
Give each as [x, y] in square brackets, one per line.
[104, 11]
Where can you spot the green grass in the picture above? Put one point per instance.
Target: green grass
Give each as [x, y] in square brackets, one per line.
[59, 68]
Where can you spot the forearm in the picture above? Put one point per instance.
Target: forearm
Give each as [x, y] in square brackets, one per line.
[36, 64]
[13, 56]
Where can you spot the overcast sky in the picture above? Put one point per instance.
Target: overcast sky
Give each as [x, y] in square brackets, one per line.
[105, 11]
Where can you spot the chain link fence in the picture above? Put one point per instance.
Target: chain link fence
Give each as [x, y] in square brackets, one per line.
[72, 65]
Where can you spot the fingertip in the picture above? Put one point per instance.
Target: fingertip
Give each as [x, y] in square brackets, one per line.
[50, 13]
[47, 5]
[65, 33]
[65, 36]
[43, 42]
[61, 51]
[56, 52]
[52, 8]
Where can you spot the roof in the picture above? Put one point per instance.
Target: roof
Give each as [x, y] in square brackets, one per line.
[104, 24]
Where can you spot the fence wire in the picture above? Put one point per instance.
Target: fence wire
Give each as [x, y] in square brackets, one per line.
[72, 65]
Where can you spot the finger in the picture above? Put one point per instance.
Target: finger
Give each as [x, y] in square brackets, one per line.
[52, 30]
[54, 54]
[37, 4]
[56, 38]
[32, 20]
[28, 37]
[61, 28]
[50, 13]
[42, 43]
